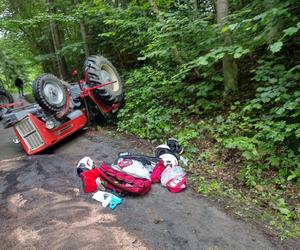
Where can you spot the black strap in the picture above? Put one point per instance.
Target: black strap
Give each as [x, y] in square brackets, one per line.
[144, 159]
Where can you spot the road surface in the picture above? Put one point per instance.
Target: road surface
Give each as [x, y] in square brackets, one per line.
[43, 206]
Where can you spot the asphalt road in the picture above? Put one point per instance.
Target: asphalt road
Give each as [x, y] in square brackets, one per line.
[42, 205]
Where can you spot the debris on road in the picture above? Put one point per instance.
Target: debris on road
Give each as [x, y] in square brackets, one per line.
[41, 194]
[173, 177]
[133, 174]
[107, 199]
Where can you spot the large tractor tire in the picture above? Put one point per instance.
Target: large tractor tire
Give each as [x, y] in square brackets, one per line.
[5, 98]
[49, 92]
[99, 71]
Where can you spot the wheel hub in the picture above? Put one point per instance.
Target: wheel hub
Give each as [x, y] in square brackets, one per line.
[108, 75]
[53, 93]
[105, 76]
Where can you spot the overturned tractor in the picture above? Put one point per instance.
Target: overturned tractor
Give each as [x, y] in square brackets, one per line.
[63, 108]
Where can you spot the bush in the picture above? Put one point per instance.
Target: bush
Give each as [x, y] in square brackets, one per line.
[267, 128]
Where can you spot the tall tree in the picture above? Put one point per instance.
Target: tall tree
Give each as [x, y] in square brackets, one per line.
[194, 4]
[275, 24]
[176, 54]
[61, 62]
[37, 37]
[83, 33]
[230, 69]
[84, 38]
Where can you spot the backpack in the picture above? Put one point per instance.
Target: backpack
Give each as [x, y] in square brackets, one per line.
[155, 165]
[114, 180]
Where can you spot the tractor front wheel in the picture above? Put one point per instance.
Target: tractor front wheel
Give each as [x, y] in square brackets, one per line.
[49, 92]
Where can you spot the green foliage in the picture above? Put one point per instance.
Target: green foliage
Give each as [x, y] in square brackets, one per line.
[167, 95]
[267, 128]
[275, 47]
[206, 187]
[282, 207]
[155, 102]
[146, 113]
[16, 62]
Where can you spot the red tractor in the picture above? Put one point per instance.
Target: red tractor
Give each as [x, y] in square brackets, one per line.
[64, 108]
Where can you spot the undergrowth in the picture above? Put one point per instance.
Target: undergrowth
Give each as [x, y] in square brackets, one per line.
[250, 148]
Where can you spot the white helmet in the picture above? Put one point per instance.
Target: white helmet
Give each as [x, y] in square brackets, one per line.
[169, 159]
[86, 163]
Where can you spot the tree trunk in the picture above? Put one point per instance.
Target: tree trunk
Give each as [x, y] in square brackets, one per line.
[156, 10]
[84, 38]
[38, 47]
[195, 5]
[84, 35]
[61, 62]
[176, 54]
[55, 42]
[276, 28]
[124, 4]
[230, 69]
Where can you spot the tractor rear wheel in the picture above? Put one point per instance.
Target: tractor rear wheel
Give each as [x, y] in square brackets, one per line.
[99, 71]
